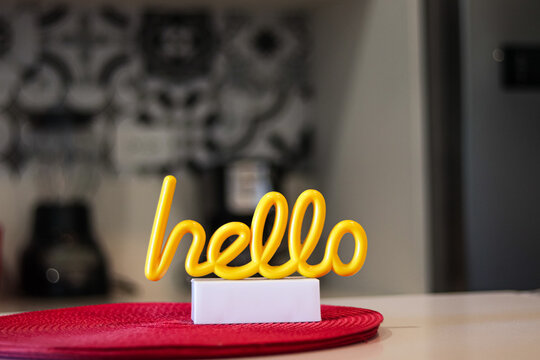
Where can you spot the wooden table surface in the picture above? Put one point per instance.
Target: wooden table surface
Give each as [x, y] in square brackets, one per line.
[491, 325]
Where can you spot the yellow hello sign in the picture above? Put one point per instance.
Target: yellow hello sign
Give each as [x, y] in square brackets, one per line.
[158, 260]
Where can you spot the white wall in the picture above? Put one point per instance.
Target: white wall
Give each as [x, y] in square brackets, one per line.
[371, 137]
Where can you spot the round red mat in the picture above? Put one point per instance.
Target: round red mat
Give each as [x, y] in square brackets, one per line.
[165, 330]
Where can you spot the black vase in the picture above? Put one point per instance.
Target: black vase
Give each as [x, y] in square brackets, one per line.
[63, 258]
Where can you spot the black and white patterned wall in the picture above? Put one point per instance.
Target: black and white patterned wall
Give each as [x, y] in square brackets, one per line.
[150, 89]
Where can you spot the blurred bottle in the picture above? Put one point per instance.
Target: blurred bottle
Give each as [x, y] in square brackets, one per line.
[63, 257]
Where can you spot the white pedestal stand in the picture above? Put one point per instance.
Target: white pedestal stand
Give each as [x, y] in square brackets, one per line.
[255, 300]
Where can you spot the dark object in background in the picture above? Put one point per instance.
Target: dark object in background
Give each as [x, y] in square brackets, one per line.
[483, 118]
[63, 258]
[521, 66]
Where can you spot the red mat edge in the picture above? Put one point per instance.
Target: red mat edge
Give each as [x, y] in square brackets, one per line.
[173, 352]
[179, 353]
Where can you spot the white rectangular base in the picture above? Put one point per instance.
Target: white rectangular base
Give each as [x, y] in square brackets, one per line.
[255, 300]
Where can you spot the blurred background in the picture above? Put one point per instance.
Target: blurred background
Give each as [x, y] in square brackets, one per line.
[419, 119]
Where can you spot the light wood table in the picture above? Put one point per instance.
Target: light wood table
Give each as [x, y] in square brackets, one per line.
[492, 325]
[488, 325]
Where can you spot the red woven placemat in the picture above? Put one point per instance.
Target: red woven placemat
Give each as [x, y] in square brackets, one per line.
[165, 330]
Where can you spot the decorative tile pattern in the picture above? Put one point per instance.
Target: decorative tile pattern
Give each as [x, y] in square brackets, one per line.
[166, 87]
